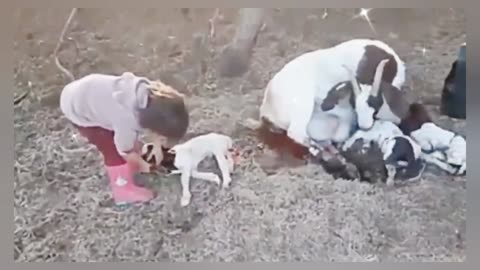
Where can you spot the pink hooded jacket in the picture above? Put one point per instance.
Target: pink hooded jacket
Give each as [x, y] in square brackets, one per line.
[107, 101]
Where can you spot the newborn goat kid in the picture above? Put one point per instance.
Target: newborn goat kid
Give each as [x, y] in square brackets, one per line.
[440, 147]
[188, 156]
[399, 151]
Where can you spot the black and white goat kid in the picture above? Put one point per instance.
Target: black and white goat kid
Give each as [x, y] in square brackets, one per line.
[400, 152]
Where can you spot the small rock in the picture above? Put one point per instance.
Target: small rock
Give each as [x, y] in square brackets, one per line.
[246, 194]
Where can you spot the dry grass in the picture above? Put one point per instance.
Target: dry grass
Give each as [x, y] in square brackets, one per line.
[62, 203]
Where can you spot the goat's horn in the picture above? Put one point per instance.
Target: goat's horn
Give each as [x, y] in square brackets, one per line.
[353, 80]
[378, 77]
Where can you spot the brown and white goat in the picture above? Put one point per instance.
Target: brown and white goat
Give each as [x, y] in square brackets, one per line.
[314, 78]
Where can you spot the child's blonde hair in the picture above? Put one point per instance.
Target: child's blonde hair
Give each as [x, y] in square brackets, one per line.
[158, 88]
[165, 113]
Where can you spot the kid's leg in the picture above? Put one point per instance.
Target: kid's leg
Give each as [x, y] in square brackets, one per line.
[121, 174]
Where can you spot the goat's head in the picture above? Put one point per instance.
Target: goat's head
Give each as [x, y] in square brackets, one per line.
[417, 116]
[380, 100]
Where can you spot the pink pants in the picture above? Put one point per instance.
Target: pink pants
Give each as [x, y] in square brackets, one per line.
[103, 140]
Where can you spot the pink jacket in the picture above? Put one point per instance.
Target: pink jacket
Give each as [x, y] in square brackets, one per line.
[107, 101]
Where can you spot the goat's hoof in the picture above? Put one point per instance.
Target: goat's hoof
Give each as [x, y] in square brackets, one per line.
[314, 151]
[226, 184]
[217, 180]
[185, 200]
[390, 182]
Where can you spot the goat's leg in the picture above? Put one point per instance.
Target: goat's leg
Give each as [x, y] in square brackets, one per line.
[326, 147]
[206, 176]
[301, 114]
[185, 181]
[462, 169]
[430, 158]
[351, 141]
[342, 133]
[224, 168]
[231, 162]
[391, 172]
[321, 129]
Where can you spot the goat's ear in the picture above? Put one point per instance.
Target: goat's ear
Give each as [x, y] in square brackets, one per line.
[396, 100]
[337, 93]
[329, 103]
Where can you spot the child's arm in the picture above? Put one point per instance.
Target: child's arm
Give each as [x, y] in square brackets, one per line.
[125, 140]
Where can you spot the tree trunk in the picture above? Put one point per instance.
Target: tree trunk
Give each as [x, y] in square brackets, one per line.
[235, 58]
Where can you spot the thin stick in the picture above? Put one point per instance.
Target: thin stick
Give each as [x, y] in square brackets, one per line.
[59, 44]
[19, 99]
[212, 22]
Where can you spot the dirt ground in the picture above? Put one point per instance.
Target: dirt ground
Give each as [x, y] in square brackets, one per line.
[62, 207]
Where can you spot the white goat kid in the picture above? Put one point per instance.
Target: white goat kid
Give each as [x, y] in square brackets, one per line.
[188, 155]
[291, 96]
[442, 147]
[399, 151]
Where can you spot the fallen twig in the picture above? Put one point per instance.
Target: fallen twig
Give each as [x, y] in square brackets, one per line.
[20, 253]
[20, 98]
[59, 44]
[212, 21]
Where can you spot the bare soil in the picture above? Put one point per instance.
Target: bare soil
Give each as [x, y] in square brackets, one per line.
[62, 207]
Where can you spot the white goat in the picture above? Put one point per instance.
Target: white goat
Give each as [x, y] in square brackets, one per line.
[311, 80]
[442, 147]
[399, 151]
[189, 154]
[439, 146]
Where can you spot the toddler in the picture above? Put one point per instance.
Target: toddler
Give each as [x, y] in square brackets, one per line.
[111, 112]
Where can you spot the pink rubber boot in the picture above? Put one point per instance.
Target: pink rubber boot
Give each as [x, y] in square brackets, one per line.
[123, 186]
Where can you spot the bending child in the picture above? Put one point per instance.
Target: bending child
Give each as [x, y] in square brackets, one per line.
[111, 112]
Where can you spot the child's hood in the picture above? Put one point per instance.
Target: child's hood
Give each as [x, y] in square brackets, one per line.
[131, 91]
